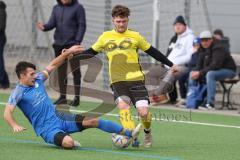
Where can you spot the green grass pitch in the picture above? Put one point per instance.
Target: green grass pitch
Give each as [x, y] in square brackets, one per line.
[172, 140]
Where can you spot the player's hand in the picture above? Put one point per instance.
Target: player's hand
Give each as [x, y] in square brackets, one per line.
[18, 128]
[70, 52]
[40, 26]
[195, 75]
[76, 49]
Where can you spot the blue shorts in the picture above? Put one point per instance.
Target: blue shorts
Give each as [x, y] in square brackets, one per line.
[59, 125]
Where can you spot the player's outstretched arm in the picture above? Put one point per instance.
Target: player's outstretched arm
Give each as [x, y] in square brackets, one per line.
[156, 54]
[88, 53]
[8, 116]
[66, 53]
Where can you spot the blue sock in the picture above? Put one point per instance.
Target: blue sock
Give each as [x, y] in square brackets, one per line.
[127, 133]
[109, 126]
[112, 127]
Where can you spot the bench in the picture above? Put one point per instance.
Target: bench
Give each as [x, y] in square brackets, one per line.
[228, 84]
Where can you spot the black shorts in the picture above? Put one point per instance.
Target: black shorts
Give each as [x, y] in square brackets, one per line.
[135, 90]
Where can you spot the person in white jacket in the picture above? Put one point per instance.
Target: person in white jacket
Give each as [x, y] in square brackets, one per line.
[182, 49]
[179, 52]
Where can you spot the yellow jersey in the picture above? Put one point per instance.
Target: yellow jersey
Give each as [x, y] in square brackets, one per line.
[121, 50]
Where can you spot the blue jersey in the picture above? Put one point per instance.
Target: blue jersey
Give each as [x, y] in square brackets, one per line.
[35, 104]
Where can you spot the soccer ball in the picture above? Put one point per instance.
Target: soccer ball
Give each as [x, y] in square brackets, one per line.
[120, 141]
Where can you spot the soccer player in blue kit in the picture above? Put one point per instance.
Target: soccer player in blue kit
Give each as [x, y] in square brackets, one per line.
[32, 99]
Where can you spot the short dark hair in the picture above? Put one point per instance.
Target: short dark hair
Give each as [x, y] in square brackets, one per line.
[218, 32]
[121, 11]
[22, 66]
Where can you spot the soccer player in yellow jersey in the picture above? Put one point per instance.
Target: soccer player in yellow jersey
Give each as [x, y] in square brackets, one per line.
[127, 79]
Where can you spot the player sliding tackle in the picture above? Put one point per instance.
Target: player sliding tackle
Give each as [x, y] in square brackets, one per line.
[127, 80]
[32, 99]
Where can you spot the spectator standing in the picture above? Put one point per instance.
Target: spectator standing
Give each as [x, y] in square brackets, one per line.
[69, 20]
[4, 80]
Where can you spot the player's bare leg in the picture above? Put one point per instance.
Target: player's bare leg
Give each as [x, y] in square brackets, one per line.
[126, 119]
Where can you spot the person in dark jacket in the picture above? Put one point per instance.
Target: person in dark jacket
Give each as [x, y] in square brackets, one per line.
[183, 80]
[4, 80]
[69, 20]
[218, 35]
[214, 63]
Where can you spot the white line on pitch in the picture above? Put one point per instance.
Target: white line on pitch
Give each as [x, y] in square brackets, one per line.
[159, 119]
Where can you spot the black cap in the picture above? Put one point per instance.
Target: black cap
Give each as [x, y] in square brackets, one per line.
[180, 19]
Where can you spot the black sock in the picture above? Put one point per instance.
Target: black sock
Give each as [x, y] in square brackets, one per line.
[147, 131]
[63, 97]
[76, 98]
